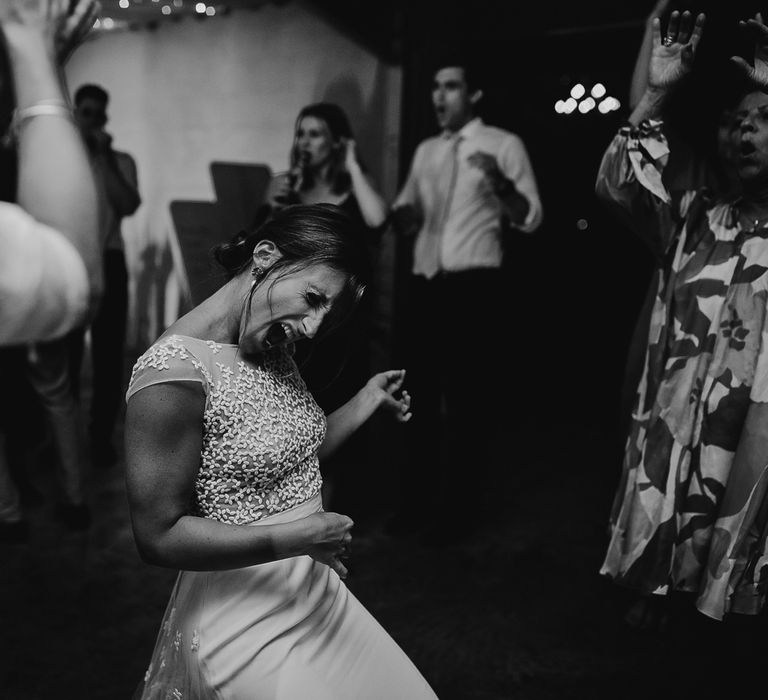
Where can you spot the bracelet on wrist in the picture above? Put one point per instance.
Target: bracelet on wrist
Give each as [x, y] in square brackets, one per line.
[43, 108]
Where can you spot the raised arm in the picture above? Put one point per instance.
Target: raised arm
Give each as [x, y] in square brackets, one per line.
[372, 204]
[630, 178]
[670, 61]
[56, 184]
[640, 72]
[163, 433]
[383, 391]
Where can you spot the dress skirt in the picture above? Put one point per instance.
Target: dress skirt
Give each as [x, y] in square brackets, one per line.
[285, 630]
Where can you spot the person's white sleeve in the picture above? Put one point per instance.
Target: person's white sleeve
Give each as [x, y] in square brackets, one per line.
[44, 289]
[516, 166]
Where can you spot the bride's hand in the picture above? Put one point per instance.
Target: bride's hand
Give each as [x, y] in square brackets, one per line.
[329, 539]
[387, 393]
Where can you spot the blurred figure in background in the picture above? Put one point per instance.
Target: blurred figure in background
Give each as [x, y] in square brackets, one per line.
[325, 168]
[465, 186]
[117, 179]
[50, 270]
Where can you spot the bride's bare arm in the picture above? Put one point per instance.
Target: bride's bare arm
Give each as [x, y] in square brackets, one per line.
[163, 432]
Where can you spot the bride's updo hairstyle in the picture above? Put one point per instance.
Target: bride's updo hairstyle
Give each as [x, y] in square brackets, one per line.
[306, 235]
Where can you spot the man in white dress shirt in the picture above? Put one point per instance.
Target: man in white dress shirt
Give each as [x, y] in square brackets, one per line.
[466, 187]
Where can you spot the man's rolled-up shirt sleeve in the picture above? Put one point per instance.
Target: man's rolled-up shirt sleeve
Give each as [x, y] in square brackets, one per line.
[44, 289]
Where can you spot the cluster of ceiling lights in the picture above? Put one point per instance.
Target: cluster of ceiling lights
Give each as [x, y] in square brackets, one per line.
[148, 11]
[582, 102]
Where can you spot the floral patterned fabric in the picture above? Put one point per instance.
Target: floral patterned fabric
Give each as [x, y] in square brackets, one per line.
[689, 511]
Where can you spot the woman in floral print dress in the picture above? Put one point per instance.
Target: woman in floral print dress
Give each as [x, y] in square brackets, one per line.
[222, 446]
[690, 511]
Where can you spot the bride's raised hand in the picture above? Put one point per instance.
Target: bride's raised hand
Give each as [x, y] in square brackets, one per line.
[386, 390]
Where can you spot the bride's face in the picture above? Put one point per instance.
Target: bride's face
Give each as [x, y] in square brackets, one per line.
[288, 308]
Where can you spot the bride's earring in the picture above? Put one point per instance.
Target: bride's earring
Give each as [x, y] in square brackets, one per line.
[257, 273]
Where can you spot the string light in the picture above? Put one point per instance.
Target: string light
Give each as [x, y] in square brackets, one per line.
[585, 103]
[609, 104]
[133, 14]
[577, 91]
[597, 91]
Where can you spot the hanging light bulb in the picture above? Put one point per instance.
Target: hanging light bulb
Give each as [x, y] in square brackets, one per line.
[577, 91]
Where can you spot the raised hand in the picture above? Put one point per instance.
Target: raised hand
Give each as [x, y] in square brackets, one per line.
[757, 73]
[61, 27]
[75, 28]
[45, 17]
[384, 388]
[350, 154]
[672, 57]
[329, 539]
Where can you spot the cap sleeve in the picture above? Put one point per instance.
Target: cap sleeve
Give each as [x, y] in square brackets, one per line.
[169, 360]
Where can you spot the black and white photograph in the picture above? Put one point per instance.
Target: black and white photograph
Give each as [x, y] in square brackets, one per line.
[401, 350]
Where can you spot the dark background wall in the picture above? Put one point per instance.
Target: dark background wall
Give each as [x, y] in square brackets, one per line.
[574, 293]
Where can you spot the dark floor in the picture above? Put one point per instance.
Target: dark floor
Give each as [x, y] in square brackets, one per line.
[516, 612]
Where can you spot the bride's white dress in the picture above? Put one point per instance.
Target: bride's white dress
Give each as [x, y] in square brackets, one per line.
[286, 630]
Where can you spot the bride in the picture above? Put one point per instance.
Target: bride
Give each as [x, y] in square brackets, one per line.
[222, 448]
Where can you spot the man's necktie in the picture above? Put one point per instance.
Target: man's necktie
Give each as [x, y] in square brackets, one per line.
[444, 200]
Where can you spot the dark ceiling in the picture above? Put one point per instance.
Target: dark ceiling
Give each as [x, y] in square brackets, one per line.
[395, 28]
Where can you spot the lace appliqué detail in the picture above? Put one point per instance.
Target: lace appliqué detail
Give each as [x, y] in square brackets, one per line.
[261, 430]
[158, 357]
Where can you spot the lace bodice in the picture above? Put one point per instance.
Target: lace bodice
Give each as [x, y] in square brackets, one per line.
[261, 426]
